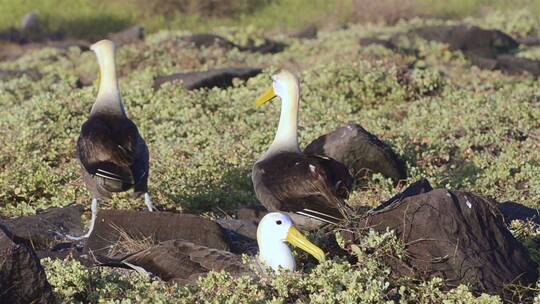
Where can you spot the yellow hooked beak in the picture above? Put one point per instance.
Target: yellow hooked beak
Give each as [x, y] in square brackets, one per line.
[264, 98]
[299, 240]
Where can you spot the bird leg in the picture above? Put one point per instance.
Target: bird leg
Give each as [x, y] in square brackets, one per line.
[148, 202]
[92, 222]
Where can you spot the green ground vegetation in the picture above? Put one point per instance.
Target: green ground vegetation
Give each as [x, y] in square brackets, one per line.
[455, 124]
[94, 18]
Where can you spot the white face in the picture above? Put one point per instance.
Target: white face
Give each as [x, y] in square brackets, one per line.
[274, 227]
[284, 83]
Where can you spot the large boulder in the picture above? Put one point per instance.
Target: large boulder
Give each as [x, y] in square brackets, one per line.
[360, 151]
[458, 236]
[42, 231]
[22, 278]
[220, 78]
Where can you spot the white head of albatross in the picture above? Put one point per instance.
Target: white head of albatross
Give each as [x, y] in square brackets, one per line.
[275, 229]
[108, 99]
[285, 85]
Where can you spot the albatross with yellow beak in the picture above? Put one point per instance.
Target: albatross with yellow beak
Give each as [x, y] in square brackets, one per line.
[184, 261]
[285, 178]
[112, 153]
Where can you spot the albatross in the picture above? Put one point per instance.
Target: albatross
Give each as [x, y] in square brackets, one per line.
[112, 154]
[185, 261]
[286, 179]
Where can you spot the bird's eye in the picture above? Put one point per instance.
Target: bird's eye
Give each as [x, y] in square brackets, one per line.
[278, 222]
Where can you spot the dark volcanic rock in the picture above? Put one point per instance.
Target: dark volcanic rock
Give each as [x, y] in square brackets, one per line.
[529, 41]
[30, 22]
[208, 40]
[14, 50]
[514, 211]
[220, 78]
[470, 39]
[268, 47]
[507, 63]
[516, 65]
[10, 35]
[308, 33]
[458, 236]
[9, 74]
[360, 151]
[252, 213]
[375, 41]
[129, 35]
[22, 278]
[41, 230]
[487, 49]
[153, 227]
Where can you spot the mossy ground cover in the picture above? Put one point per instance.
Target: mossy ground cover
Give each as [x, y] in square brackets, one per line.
[459, 126]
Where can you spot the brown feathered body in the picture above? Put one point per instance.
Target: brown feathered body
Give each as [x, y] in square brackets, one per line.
[113, 155]
[309, 185]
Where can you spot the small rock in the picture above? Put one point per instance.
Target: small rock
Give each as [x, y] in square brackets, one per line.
[220, 78]
[375, 41]
[268, 47]
[22, 278]
[252, 213]
[129, 35]
[30, 22]
[529, 41]
[360, 151]
[209, 40]
[514, 211]
[516, 65]
[308, 33]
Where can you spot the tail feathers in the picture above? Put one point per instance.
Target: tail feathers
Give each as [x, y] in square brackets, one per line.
[113, 178]
[331, 215]
[324, 217]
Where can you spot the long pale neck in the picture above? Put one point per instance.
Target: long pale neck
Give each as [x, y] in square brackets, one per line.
[276, 255]
[286, 139]
[108, 100]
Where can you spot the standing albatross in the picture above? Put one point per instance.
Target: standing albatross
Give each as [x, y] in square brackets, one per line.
[286, 179]
[184, 261]
[112, 153]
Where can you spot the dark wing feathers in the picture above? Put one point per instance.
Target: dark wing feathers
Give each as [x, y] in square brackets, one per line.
[307, 184]
[179, 259]
[112, 149]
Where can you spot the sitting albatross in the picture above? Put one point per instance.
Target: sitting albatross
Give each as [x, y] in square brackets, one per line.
[185, 261]
[112, 153]
[286, 179]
